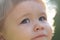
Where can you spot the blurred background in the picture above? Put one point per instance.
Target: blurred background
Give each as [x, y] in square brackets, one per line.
[57, 21]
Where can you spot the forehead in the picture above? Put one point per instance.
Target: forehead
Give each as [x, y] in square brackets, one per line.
[31, 4]
[28, 7]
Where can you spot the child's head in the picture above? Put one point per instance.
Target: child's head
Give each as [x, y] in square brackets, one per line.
[25, 20]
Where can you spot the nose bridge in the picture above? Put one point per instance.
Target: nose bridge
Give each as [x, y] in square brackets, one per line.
[38, 26]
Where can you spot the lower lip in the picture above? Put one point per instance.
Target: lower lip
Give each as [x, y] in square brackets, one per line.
[40, 37]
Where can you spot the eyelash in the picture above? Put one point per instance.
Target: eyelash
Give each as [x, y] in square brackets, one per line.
[42, 18]
[27, 20]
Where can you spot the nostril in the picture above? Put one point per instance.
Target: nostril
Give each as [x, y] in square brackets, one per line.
[37, 29]
[42, 28]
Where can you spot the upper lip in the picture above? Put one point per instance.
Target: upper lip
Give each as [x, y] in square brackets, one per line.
[39, 36]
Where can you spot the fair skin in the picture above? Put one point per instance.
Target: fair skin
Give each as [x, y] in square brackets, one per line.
[27, 21]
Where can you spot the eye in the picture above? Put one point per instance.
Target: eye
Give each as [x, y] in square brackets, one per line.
[24, 21]
[42, 18]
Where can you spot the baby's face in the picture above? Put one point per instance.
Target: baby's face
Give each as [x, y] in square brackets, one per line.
[27, 21]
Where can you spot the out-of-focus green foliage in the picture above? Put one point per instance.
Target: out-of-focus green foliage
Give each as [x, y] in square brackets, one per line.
[57, 21]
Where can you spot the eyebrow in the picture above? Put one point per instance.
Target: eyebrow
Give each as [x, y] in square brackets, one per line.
[43, 13]
[23, 15]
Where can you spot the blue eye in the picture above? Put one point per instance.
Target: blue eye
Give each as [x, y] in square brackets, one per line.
[25, 21]
[42, 18]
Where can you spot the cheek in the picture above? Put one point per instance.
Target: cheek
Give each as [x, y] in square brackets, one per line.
[49, 29]
[24, 31]
[19, 32]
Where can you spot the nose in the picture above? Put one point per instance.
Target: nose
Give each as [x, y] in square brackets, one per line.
[38, 27]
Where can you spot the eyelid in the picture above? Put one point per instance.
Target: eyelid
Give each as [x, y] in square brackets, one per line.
[45, 17]
[43, 14]
[26, 20]
[42, 18]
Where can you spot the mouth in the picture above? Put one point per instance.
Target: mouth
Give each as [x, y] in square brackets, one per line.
[42, 36]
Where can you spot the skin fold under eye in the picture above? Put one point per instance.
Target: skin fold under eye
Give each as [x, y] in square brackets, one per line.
[42, 18]
[24, 21]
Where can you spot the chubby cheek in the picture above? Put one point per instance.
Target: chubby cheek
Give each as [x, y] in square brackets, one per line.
[24, 32]
[49, 29]
[50, 33]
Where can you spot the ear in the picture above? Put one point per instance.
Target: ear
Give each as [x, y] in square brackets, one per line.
[1, 36]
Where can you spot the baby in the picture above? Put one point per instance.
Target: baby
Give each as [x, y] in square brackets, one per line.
[24, 20]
